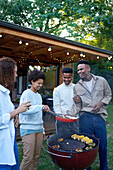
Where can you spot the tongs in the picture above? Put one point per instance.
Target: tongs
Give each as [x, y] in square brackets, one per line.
[55, 114]
[63, 116]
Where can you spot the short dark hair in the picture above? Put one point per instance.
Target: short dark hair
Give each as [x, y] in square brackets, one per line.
[67, 70]
[84, 62]
[36, 75]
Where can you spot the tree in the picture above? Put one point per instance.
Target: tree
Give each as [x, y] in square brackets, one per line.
[54, 16]
[82, 19]
[99, 23]
[16, 11]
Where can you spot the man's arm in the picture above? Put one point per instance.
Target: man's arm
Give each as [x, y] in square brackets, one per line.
[56, 102]
[107, 93]
[107, 97]
[76, 107]
[76, 98]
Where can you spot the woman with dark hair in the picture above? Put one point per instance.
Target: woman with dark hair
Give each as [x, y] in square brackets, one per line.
[8, 147]
[31, 123]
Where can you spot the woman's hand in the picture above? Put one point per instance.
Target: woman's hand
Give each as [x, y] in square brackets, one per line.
[46, 108]
[44, 137]
[16, 121]
[23, 107]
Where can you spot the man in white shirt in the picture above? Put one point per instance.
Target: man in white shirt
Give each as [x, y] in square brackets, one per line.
[63, 101]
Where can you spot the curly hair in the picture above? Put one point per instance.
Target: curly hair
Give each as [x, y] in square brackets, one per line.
[36, 75]
[7, 72]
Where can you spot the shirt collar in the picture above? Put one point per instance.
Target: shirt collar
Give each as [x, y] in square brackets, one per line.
[69, 84]
[93, 76]
[4, 90]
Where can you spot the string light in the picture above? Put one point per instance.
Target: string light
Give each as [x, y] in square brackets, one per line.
[59, 60]
[20, 42]
[81, 54]
[27, 43]
[0, 35]
[98, 57]
[110, 57]
[49, 49]
[67, 52]
[55, 58]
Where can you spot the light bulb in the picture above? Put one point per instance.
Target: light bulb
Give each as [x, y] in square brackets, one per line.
[20, 42]
[49, 49]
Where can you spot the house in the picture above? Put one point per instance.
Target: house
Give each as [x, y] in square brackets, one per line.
[32, 48]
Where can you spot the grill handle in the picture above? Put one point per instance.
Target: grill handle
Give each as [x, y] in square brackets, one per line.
[71, 155]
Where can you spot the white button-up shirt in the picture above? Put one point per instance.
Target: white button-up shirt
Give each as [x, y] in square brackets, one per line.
[7, 131]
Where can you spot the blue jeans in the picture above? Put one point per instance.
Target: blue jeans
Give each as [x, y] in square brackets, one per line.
[94, 124]
[16, 167]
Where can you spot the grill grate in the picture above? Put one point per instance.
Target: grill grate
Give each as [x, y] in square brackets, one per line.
[70, 145]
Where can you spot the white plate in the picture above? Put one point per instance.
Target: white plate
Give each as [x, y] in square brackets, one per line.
[71, 117]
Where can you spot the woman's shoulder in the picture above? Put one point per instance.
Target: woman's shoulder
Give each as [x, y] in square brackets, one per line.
[26, 92]
[1, 93]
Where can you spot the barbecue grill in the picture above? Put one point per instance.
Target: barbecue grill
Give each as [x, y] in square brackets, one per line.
[66, 156]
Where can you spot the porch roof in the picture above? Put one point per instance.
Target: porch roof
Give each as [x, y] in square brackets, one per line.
[42, 48]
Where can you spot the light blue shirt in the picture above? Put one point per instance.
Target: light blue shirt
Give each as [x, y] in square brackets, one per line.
[32, 118]
[24, 132]
[7, 131]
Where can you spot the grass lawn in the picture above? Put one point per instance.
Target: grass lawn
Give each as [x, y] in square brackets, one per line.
[45, 161]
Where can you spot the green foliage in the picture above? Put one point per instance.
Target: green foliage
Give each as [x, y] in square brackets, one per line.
[102, 68]
[83, 19]
[16, 11]
[99, 23]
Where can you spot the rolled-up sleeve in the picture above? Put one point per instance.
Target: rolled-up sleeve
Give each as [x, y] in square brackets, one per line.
[4, 119]
[33, 108]
[107, 93]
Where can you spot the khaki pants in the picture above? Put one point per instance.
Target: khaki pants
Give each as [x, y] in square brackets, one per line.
[31, 151]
